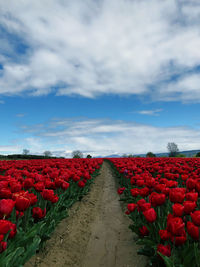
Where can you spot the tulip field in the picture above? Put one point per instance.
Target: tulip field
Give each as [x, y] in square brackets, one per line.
[162, 197]
[34, 198]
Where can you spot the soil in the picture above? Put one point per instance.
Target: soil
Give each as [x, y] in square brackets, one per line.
[95, 234]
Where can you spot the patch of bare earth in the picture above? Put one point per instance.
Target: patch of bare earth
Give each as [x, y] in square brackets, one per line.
[95, 234]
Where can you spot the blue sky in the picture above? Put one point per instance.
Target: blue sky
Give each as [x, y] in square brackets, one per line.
[103, 77]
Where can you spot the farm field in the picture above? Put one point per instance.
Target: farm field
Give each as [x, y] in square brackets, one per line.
[159, 200]
[164, 206]
[95, 234]
[34, 197]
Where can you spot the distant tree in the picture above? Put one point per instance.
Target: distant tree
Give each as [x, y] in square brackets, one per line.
[124, 156]
[198, 155]
[89, 157]
[173, 149]
[130, 156]
[47, 153]
[26, 151]
[77, 154]
[150, 155]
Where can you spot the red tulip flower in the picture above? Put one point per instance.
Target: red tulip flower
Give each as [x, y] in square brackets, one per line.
[164, 235]
[157, 199]
[38, 213]
[22, 203]
[6, 206]
[177, 195]
[150, 215]
[178, 210]
[121, 190]
[65, 185]
[196, 217]
[81, 184]
[131, 207]
[4, 227]
[176, 226]
[165, 250]
[193, 230]
[192, 196]
[189, 206]
[144, 231]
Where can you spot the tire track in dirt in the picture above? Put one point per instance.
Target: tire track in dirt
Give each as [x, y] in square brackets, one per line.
[95, 234]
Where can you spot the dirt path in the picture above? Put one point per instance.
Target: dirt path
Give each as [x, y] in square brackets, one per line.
[95, 234]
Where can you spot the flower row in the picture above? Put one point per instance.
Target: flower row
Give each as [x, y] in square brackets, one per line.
[34, 197]
[163, 203]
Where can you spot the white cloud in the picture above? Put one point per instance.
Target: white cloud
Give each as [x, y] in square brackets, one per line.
[105, 137]
[20, 115]
[186, 88]
[153, 112]
[9, 149]
[91, 48]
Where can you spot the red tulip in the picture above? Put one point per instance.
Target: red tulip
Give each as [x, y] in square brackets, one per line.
[65, 185]
[13, 231]
[38, 213]
[165, 250]
[28, 183]
[193, 230]
[39, 186]
[157, 199]
[48, 194]
[131, 207]
[4, 227]
[178, 210]
[190, 183]
[144, 207]
[22, 203]
[5, 193]
[189, 206]
[121, 190]
[164, 235]
[144, 192]
[81, 184]
[196, 217]
[134, 192]
[150, 215]
[177, 195]
[33, 198]
[176, 226]
[192, 196]
[179, 240]
[144, 231]
[6, 206]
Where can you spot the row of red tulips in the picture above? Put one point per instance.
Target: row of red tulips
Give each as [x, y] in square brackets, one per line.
[162, 196]
[34, 197]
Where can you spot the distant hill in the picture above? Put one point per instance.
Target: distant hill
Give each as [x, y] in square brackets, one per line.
[187, 153]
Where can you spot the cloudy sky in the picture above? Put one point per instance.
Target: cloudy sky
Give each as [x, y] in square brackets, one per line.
[100, 76]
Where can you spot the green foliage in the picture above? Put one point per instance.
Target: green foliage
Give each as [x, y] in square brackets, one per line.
[198, 155]
[77, 154]
[173, 149]
[89, 157]
[47, 153]
[26, 151]
[150, 155]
